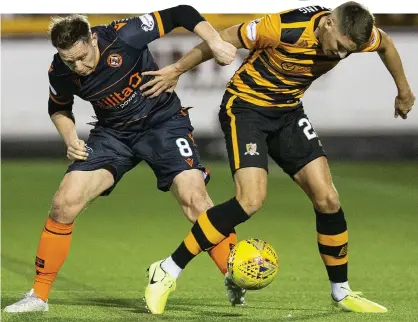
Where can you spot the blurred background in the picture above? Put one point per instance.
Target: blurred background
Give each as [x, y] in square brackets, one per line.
[351, 107]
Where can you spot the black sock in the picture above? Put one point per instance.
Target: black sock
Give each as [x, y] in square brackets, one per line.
[333, 244]
[209, 230]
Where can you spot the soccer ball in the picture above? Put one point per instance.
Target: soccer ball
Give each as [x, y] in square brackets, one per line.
[253, 264]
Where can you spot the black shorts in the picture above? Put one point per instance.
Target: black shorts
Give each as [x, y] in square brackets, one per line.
[168, 148]
[287, 136]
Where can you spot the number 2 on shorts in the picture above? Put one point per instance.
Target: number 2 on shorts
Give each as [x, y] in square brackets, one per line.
[307, 128]
[184, 147]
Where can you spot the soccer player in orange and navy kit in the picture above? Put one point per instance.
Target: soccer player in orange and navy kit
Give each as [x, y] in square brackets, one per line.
[262, 115]
[103, 65]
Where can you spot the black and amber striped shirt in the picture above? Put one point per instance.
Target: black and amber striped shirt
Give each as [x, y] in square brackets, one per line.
[284, 57]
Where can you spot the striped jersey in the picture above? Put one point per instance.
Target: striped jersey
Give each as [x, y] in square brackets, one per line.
[285, 57]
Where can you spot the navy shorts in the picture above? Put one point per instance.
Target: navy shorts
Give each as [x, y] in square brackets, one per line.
[168, 148]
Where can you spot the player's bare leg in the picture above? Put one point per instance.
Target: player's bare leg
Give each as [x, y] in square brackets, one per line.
[213, 225]
[76, 190]
[190, 191]
[251, 188]
[315, 180]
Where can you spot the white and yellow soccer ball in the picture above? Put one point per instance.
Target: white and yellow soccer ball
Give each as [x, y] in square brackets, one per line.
[253, 264]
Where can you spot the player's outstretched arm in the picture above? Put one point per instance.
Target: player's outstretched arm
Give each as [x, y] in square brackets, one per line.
[189, 18]
[166, 78]
[220, 49]
[390, 57]
[139, 31]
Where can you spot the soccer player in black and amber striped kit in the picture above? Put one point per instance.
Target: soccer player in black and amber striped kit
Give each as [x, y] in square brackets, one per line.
[262, 115]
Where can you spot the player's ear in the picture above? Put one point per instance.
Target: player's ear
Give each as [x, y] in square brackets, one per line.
[94, 39]
[329, 23]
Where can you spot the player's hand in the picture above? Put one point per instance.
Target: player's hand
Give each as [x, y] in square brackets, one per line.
[224, 53]
[77, 150]
[403, 104]
[165, 80]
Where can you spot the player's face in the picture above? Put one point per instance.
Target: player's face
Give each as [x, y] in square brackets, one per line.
[82, 57]
[333, 42]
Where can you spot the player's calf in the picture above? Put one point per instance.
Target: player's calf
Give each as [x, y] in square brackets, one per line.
[76, 190]
[189, 189]
[195, 203]
[66, 207]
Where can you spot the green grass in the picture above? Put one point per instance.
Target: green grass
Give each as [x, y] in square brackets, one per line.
[119, 236]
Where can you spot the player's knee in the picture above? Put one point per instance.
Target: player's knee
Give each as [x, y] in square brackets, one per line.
[196, 203]
[251, 203]
[328, 202]
[66, 206]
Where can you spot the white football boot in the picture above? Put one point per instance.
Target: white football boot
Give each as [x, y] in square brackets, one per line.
[30, 303]
[236, 294]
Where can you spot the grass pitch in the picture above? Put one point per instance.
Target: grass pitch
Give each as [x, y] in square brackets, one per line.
[117, 237]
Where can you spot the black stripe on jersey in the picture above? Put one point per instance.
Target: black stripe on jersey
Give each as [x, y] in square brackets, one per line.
[265, 73]
[293, 78]
[294, 16]
[249, 81]
[306, 57]
[234, 88]
[276, 97]
[291, 35]
[302, 14]
[240, 37]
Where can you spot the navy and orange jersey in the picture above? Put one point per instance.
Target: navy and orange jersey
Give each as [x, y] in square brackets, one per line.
[285, 57]
[113, 87]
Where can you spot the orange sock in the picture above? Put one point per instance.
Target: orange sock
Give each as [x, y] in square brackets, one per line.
[52, 252]
[220, 252]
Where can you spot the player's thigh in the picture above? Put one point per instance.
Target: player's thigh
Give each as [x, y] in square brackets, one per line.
[295, 143]
[244, 134]
[169, 149]
[106, 151]
[189, 189]
[316, 181]
[245, 138]
[86, 185]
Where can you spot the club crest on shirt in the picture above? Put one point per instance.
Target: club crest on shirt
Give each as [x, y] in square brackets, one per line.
[114, 60]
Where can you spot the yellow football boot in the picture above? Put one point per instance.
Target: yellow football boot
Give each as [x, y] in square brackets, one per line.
[160, 285]
[354, 302]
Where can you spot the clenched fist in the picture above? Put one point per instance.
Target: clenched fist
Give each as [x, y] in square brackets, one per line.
[224, 53]
[403, 104]
[77, 150]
